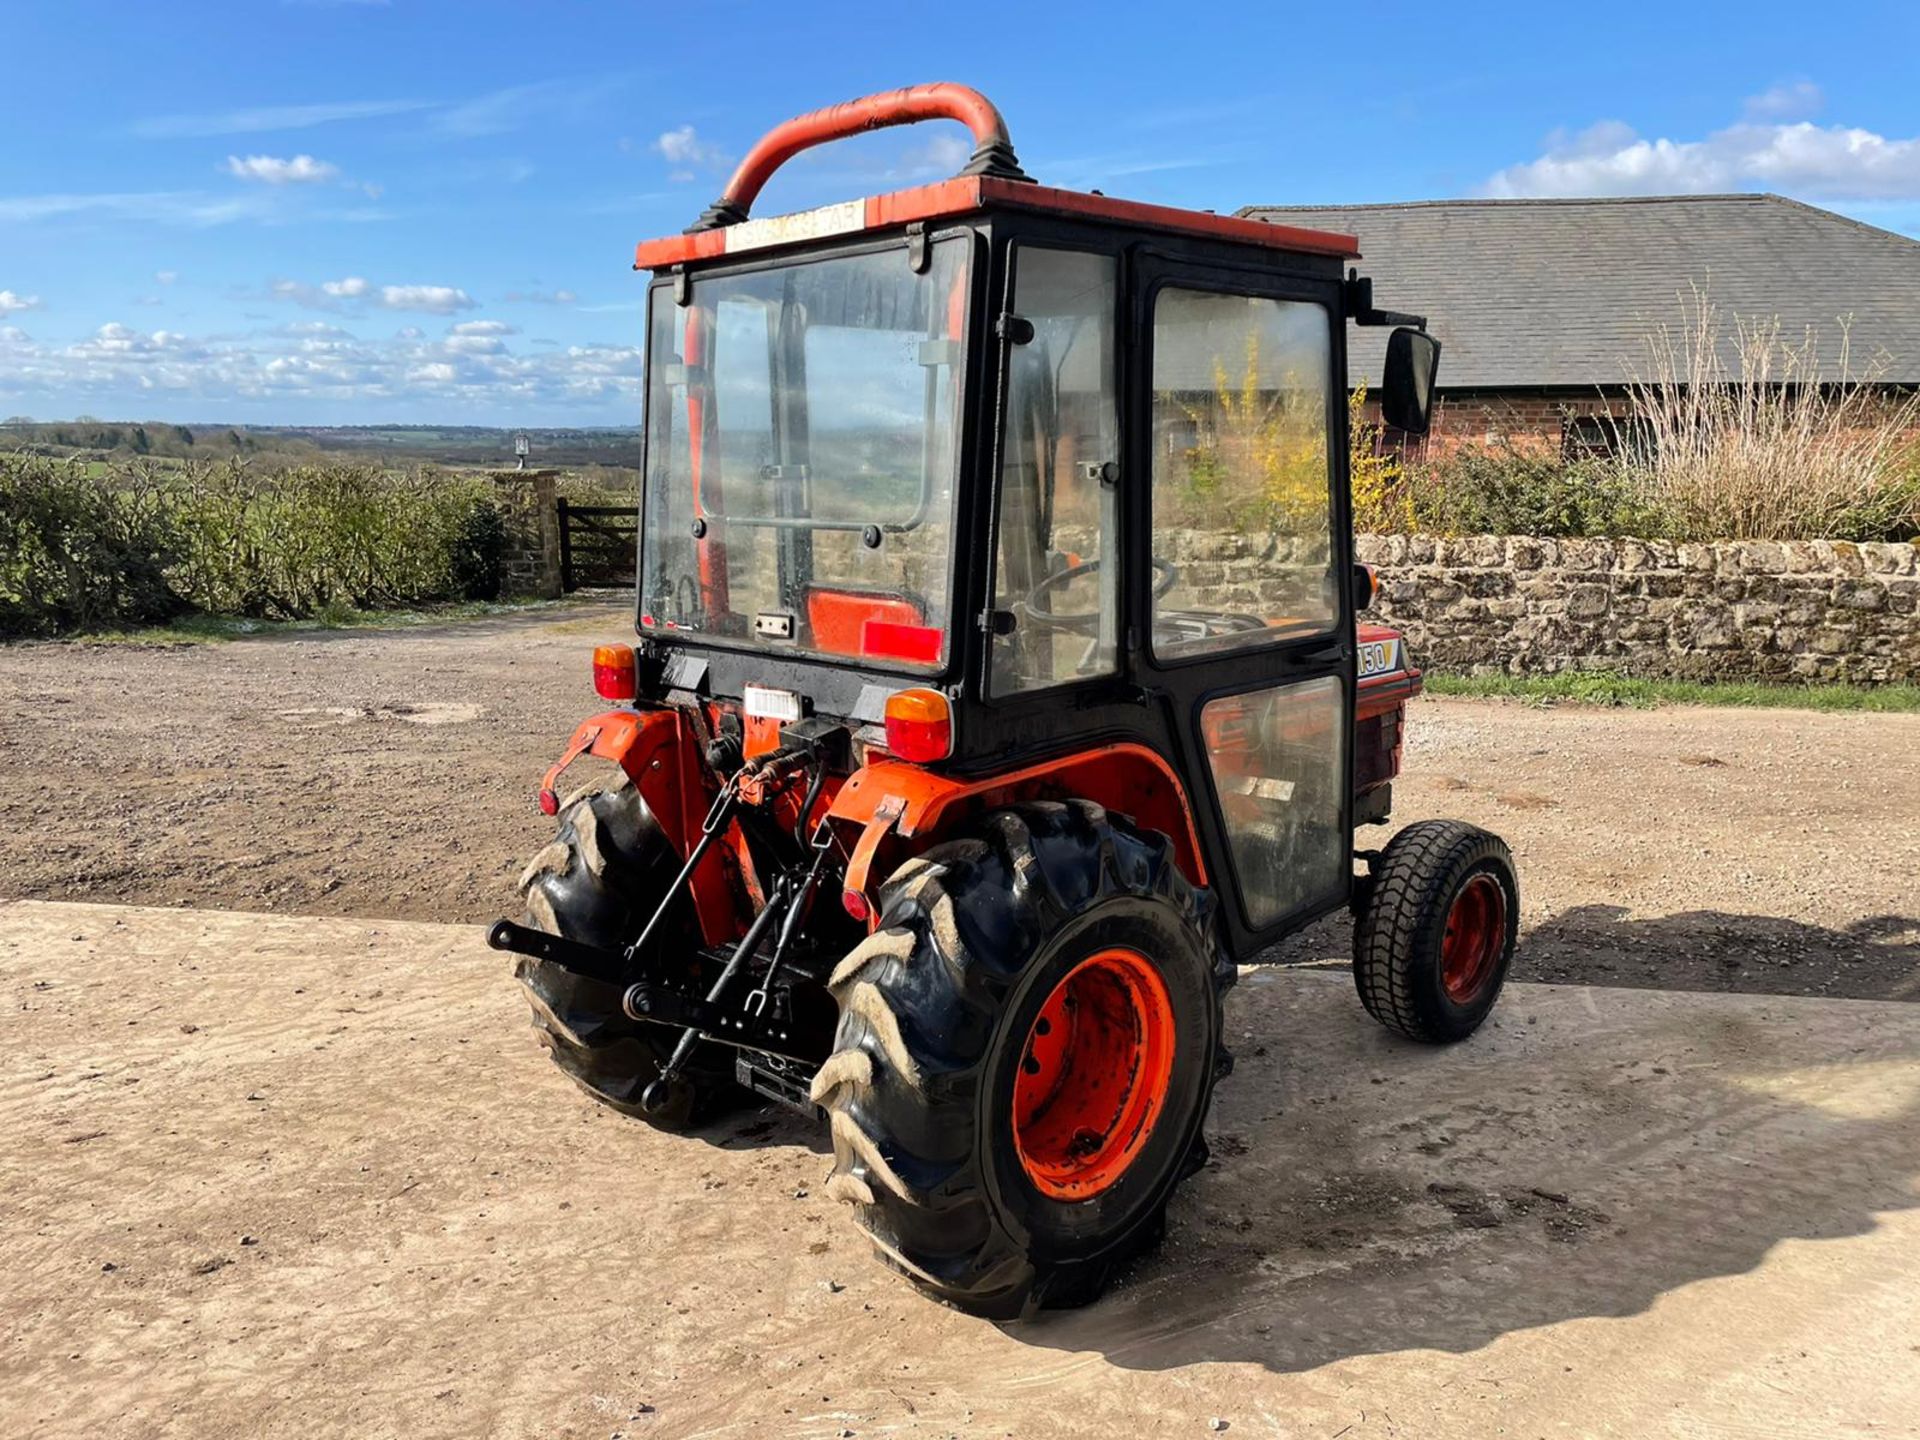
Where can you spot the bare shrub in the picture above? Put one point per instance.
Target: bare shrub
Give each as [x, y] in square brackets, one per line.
[1770, 446]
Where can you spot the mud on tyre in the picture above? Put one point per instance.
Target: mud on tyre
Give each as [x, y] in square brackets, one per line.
[599, 881]
[973, 1131]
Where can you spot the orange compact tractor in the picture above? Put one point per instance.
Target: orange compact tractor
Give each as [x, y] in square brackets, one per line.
[997, 687]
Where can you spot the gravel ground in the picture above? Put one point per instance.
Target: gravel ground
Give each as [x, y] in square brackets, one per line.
[390, 774]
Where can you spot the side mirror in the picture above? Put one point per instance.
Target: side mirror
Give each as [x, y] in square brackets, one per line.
[1406, 390]
[1366, 586]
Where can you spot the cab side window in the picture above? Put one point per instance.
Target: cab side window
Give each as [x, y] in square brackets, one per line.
[1056, 571]
[1242, 479]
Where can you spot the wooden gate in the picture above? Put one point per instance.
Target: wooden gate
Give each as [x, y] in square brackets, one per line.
[597, 544]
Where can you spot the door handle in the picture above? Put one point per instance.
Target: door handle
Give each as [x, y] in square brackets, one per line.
[1326, 654]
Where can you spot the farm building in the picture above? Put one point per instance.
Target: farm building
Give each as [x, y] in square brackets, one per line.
[1545, 308]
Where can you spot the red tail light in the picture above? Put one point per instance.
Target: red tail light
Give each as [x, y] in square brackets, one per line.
[919, 725]
[886, 640]
[613, 672]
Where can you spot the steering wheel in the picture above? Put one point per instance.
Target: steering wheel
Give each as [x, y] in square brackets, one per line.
[1166, 576]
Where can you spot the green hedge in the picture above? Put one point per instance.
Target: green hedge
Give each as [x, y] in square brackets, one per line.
[141, 543]
[1499, 492]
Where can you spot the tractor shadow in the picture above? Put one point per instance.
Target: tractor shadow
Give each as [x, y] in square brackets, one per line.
[1876, 957]
[764, 1126]
[1586, 1153]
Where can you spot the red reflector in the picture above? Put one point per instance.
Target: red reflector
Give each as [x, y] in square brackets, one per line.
[855, 904]
[890, 640]
[613, 672]
[549, 803]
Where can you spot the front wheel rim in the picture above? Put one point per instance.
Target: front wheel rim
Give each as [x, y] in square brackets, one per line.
[1093, 1075]
[1476, 933]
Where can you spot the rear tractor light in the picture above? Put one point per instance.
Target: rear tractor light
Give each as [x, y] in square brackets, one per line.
[919, 725]
[613, 672]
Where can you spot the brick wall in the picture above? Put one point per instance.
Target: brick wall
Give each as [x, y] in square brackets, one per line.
[1531, 423]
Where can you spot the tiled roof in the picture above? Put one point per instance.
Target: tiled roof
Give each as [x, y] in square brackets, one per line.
[1526, 293]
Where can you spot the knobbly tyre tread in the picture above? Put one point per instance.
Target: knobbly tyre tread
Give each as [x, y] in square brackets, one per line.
[598, 881]
[1396, 937]
[920, 998]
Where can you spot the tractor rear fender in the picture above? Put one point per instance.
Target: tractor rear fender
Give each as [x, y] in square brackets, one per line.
[662, 758]
[899, 809]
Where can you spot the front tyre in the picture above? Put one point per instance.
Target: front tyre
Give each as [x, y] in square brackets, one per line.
[1027, 1048]
[1436, 934]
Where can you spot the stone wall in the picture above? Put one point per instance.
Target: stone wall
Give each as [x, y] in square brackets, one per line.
[1746, 610]
[531, 565]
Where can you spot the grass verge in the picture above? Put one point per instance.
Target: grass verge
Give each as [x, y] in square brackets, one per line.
[1605, 687]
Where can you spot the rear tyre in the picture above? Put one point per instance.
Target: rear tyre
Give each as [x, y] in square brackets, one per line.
[599, 882]
[1027, 1048]
[1435, 937]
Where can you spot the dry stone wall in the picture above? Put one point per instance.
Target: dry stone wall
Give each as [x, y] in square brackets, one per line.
[1734, 610]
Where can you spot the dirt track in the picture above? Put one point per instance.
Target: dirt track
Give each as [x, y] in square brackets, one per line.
[270, 1176]
[391, 774]
[274, 1174]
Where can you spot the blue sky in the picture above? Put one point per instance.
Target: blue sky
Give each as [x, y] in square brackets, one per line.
[355, 212]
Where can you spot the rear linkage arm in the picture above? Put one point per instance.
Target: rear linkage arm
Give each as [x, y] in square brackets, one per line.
[750, 1027]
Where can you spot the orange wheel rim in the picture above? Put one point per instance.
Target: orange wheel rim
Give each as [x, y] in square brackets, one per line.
[1093, 1075]
[1476, 934]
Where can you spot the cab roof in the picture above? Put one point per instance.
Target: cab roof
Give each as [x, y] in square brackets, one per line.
[970, 195]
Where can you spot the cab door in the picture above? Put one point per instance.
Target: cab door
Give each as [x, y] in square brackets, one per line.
[1241, 560]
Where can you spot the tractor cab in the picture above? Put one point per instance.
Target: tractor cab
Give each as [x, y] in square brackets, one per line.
[1062, 468]
[998, 686]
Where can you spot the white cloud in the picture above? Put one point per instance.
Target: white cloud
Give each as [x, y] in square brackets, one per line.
[1822, 162]
[1797, 100]
[483, 327]
[683, 149]
[272, 117]
[12, 303]
[433, 299]
[500, 111]
[939, 157]
[166, 277]
[166, 207]
[273, 170]
[541, 297]
[311, 369]
[327, 295]
[354, 292]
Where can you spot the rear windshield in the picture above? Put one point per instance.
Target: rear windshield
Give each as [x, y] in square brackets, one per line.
[801, 442]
